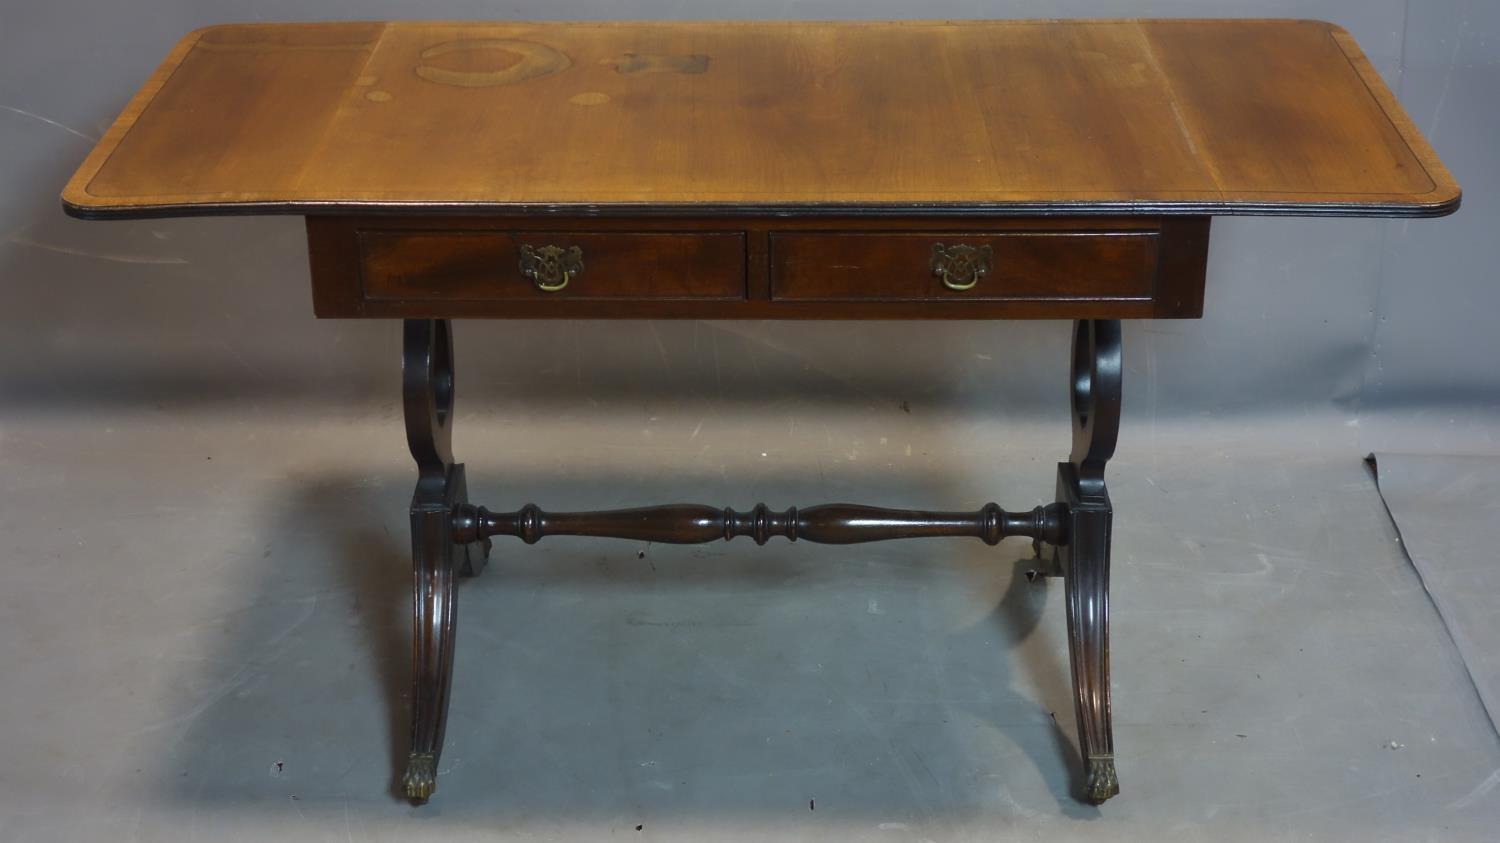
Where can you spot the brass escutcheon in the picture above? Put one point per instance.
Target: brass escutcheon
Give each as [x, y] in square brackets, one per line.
[960, 266]
[551, 267]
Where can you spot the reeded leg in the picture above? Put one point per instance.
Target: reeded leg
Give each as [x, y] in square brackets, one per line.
[427, 375]
[1085, 558]
[433, 618]
[1085, 566]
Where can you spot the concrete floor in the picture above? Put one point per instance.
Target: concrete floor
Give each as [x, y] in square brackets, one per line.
[204, 635]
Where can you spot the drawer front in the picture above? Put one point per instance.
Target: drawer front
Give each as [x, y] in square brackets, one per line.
[985, 266]
[427, 265]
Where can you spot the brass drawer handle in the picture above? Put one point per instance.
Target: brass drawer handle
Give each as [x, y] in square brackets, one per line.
[960, 266]
[551, 267]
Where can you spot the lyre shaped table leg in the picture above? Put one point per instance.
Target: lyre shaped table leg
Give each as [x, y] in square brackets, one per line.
[1085, 559]
[427, 374]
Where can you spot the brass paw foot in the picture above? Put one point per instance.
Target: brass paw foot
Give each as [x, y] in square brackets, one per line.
[421, 777]
[1102, 782]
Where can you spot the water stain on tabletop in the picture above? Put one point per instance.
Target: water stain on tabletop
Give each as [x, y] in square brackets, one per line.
[488, 62]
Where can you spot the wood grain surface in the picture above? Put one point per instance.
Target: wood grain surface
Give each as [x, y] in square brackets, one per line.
[1090, 117]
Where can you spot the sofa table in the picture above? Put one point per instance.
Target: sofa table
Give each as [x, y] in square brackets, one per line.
[911, 170]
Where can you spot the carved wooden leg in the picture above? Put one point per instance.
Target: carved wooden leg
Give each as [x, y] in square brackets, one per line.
[427, 387]
[1085, 558]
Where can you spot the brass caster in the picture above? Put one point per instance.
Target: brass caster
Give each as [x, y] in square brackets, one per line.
[1102, 782]
[421, 777]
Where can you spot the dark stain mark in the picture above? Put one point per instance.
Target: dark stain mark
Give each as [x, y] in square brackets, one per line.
[906, 408]
[639, 827]
[812, 805]
[632, 63]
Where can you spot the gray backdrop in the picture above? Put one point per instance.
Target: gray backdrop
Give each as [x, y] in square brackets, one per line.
[1379, 328]
[203, 558]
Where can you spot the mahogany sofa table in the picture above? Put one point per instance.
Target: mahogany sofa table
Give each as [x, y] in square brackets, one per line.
[914, 170]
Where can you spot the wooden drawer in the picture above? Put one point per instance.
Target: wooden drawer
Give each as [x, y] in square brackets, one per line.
[756, 266]
[1058, 265]
[487, 265]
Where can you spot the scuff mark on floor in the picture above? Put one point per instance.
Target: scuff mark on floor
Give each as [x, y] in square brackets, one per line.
[21, 239]
[50, 122]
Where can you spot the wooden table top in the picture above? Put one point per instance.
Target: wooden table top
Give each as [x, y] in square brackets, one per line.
[1023, 117]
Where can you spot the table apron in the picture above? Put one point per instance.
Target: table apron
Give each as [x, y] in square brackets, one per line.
[834, 268]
